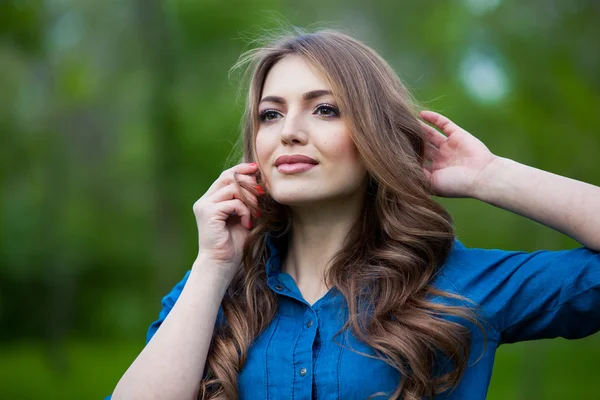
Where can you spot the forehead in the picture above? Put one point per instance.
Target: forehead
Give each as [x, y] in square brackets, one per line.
[292, 76]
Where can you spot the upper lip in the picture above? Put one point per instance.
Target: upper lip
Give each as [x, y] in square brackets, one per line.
[293, 159]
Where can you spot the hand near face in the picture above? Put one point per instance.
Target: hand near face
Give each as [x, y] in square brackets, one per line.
[454, 160]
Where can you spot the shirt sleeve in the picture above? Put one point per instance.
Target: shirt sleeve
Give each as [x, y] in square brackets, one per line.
[527, 296]
[167, 303]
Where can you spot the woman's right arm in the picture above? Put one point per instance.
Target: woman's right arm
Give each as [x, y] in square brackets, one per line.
[172, 364]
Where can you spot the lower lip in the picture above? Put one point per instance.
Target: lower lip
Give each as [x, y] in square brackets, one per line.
[294, 168]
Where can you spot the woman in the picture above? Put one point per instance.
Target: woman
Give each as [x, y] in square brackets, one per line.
[326, 270]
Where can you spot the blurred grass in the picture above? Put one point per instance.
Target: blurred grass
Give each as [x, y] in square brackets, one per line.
[561, 368]
[92, 370]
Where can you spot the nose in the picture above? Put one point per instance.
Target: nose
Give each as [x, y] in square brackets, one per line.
[293, 129]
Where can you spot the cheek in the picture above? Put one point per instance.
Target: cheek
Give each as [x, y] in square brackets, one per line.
[344, 151]
[263, 150]
[348, 166]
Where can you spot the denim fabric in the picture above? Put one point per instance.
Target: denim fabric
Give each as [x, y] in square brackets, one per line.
[521, 296]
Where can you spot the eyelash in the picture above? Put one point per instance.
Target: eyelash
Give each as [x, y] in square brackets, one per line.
[330, 107]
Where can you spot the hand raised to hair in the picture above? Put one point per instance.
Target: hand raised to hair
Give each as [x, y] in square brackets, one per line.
[454, 160]
[224, 220]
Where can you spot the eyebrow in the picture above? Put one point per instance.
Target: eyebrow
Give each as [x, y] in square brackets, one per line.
[305, 97]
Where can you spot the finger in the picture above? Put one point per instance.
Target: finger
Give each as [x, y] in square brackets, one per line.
[236, 207]
[228, 176]
[434, 136]
[240, 180]
[430, 178]
[427, 173]
[230, 192]
[244, 179]
[441, 122]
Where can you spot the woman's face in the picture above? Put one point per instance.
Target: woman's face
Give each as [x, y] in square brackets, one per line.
[299, 117]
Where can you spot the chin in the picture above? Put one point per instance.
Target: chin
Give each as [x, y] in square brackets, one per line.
[302, 197]
[294, 199]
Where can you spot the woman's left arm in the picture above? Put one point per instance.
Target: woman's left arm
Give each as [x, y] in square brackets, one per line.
[459, 165]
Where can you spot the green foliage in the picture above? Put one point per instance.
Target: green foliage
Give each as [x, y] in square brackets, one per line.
[116, 116]
[20, 23]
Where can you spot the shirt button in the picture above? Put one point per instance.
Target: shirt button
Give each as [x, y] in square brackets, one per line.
[279, 287]
[302, 371]
[309, 324]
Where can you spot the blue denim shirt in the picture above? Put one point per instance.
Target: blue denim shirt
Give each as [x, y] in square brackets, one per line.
[522, 296]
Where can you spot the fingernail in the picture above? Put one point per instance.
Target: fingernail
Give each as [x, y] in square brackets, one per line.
[260, 189]
[253, 164]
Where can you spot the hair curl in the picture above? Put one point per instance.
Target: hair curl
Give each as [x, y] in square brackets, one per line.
[394, 249]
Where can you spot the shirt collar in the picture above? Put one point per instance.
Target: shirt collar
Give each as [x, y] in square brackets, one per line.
[283, 283]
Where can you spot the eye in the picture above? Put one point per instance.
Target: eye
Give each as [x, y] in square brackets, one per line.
[327, 111]
[268, 115]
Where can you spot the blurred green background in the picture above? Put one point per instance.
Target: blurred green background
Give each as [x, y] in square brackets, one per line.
[116, 115]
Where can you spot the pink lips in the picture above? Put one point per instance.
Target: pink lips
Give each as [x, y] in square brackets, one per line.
[294, 168]
[291, 164]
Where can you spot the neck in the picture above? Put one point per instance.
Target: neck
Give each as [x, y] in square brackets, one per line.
[318, 233]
